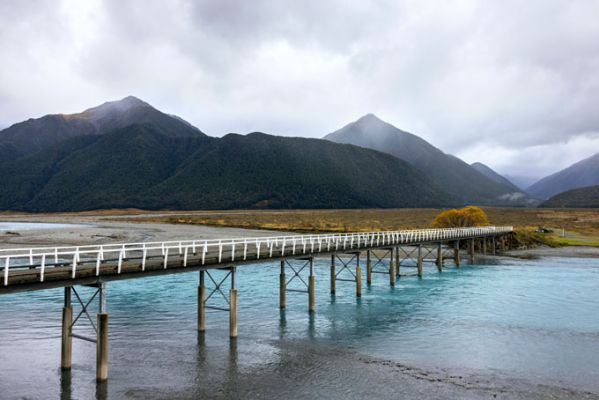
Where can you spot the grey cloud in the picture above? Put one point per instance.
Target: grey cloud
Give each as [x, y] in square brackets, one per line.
[510, 77]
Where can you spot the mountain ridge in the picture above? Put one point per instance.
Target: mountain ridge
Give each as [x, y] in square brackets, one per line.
[580, 174]
[454, 175]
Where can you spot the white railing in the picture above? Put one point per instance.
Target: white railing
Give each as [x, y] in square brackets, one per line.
[226, 250]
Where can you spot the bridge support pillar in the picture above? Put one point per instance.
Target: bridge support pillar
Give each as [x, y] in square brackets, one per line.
[440, 257]
[391, 268]
[102, 337]
[233, 307]
[333, 274]
[282, 286]
[311, 304]
[456, 253]
[503, 244]
[368, 269]
[419, 262]
[202, 304]
[397, 262]
[493, 245]
[471, 251]
[66, 349]
[358, 276]
[485, 245]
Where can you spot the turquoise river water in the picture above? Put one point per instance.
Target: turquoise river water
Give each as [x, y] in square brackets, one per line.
[529, 322]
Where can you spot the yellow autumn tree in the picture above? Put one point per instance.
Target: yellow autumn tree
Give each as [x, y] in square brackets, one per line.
[463, 217]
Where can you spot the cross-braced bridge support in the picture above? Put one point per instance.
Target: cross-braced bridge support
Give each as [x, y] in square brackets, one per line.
[217, 291]
[375, 264]
[345, 273]
[100, 327]
[305, 287]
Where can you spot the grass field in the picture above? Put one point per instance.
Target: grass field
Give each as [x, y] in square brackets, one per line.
[581, 226]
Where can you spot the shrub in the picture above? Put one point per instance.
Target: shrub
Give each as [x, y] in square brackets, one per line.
[463, 217]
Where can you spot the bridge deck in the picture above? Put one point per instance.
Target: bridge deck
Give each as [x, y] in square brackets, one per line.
[42, 268]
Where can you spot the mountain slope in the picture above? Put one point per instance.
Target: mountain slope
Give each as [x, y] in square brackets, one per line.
[139, 166]
[581, 174]
[491, 174]
[449, 172]
[28, 137]
[586, 197]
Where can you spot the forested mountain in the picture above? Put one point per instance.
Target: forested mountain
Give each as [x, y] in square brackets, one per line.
[581, 174]
[586, 197]
[34, 135]
[449, 172]
[152, 166]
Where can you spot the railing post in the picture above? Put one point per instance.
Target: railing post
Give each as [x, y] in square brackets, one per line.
[67, 341]
[201, 304]
[282, 286]
[233, 307]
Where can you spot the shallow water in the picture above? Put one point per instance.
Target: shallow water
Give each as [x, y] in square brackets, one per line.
[535, 320]
[33, 226]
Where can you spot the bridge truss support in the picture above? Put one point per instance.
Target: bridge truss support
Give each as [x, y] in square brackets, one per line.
[306, 262]
[346, 264]
[100, 327]
[215, 292]
[379, 267]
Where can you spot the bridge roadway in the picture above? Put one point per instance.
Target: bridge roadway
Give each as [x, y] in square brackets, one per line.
[39, 268]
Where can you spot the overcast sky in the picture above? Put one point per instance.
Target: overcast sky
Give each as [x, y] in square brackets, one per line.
[513, 84]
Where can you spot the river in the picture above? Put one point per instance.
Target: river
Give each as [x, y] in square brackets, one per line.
[511, 328]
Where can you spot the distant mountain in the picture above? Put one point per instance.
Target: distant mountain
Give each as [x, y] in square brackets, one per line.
[33, 135]
[491, 174]
[582, 174]
[449, 172]
[143, 166]
[586, 197]
[521, 182]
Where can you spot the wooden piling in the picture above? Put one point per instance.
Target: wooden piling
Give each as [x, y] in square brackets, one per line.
[439, 257]
[471, 251]
[358, 281]
[368, 269]
[333, 274]
[66, 349]
[201, 304]
[420, 260]
[102, 348]
[493, 244]
[311, 304]
[485, 246]
[397, 272]
[456, 253]
[282, 284]
[233, 313]
[391, 269]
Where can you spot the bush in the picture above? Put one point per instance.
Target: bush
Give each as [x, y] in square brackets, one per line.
[463, 217]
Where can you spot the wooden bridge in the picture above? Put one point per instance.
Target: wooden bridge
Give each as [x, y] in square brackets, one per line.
[386, 252]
